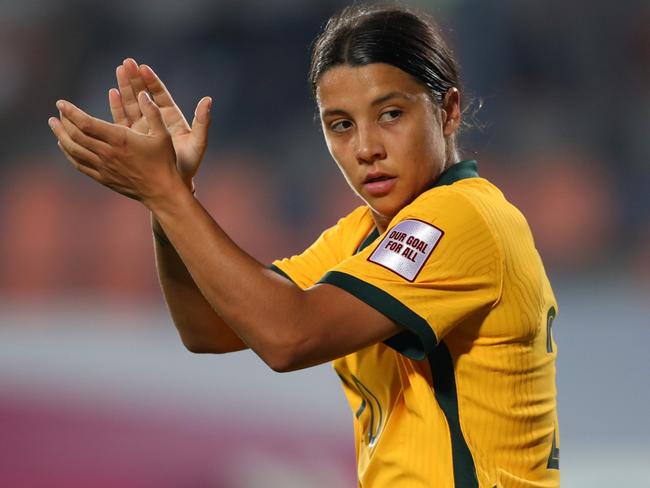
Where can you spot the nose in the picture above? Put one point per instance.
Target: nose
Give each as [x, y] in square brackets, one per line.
[370, 146]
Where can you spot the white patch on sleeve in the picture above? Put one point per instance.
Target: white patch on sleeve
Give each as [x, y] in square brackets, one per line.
[406, 248]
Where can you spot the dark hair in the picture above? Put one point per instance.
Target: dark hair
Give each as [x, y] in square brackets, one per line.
[365, 34]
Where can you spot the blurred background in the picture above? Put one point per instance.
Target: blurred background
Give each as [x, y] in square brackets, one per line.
[96, 388]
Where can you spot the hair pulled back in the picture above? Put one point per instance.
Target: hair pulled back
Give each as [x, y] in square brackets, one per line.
[365, 34]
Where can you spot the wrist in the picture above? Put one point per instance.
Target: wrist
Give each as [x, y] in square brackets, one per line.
[157, 229]
[172, 194]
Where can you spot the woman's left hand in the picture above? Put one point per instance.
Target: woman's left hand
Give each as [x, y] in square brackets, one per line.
[139, 166]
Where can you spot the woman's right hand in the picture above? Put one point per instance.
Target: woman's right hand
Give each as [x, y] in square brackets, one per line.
[189, 143]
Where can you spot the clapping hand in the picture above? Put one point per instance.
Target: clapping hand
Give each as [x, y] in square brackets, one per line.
[148, 147]
[190, 143]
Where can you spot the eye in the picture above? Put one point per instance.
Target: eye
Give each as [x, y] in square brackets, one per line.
[340, 126]
[390, 115]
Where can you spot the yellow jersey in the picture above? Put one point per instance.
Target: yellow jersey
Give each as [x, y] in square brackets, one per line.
[465, 396]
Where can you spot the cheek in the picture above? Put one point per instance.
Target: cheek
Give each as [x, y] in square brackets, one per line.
[336, 153]
[340, 154]
[431, 149]
[422, 151]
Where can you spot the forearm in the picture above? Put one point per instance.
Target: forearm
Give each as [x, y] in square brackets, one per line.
[263, 308]
[199, 326]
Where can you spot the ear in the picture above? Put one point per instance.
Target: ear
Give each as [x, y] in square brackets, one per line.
[451, 112]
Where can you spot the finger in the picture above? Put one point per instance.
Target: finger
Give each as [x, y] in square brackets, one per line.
[129, 101]
[80, 155]
[152, 113]
[87, 170]
[100, 148]
[201, 122]
[94, 174]
[161, 96]
[158, 90]
[117, 109]
[133, 72]
[114, 135]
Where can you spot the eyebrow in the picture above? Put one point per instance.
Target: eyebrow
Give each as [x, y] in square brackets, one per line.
[391, 95]
[375, 102]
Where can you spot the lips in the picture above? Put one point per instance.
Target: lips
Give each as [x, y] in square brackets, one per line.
[378, 184]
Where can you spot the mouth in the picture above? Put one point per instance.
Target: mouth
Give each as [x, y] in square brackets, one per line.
[378, 184]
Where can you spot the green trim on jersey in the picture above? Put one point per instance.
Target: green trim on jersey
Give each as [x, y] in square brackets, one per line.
[273, 267]
[459, 171]
[368, 240]
[444, 388]
[412, 346]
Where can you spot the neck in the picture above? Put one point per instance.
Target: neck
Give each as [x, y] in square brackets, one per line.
[452, 156]
[381, 222]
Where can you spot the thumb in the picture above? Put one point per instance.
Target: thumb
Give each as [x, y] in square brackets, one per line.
[152, 113]
[201, 121]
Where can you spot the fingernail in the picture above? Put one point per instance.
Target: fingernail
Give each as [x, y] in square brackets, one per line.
[60, 105]
[50, 122]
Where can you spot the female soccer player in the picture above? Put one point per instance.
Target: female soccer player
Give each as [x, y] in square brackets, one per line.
[431, 299]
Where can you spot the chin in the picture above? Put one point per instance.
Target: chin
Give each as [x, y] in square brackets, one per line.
[386, 207]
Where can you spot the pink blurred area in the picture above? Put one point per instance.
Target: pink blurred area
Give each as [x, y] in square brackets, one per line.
[78, 444]
[569, 202]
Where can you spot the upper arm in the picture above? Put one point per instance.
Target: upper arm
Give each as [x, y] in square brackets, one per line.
[330, 322]
[335, 323]
[331, 247]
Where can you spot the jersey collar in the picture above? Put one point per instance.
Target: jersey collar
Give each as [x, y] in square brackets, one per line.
[458, 171]
[368, 240]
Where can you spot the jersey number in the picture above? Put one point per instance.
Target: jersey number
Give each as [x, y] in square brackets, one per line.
[371, 407]
[549, 323]
[554, 456]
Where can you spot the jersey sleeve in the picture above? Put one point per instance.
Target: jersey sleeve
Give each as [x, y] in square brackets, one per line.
[332, 247]
[437, 265]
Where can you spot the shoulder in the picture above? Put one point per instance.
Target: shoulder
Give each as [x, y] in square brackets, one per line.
[350, 228]
[343, 238]
[360, 215]
[457, 220]
[464, 202]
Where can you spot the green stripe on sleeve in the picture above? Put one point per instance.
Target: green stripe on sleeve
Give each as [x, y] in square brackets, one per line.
[444, 387]
[273, 267]
[416, 342]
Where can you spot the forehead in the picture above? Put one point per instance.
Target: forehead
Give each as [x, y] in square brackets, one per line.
[346, 85]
